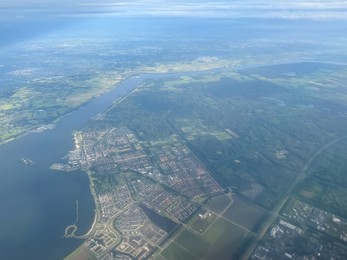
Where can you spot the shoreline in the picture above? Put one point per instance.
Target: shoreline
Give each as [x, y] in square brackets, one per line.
[137, 75]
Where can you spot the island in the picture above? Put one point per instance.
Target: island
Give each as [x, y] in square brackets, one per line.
[26, 161]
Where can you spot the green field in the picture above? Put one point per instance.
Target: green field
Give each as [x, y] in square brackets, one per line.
[193, 243]
[218, 204]
[311, 189]
[245, 214]
[222, 240]
[331, 165]
[175, 251]
[225, 240]
[201, 224]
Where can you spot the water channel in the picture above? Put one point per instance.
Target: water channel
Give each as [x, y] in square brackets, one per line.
[37, 203]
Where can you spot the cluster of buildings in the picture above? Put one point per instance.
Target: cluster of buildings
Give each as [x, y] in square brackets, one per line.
[103, 149]
[287, 241]
[140, 235]
[159, 199]
[318, 219]
[167, 179]
[102, 241]
[182, 171]
[117, 149]
[112, 202]
[307, 233]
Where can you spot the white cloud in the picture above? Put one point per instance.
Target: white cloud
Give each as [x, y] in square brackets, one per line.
[295, 9]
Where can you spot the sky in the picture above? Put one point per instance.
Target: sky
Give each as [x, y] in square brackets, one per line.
[294, 9]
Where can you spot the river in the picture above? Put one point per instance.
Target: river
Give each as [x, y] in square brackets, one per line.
[37, 203]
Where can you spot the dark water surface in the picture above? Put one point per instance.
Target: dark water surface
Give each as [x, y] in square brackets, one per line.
[162, 222]
[36, 203]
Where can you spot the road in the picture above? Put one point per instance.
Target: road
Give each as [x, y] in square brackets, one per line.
[280, 204]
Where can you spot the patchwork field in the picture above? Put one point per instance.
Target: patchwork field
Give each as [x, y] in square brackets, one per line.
[222, 240]
[218, 204]
[245, 214]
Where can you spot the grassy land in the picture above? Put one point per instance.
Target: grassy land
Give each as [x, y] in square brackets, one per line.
[175, 251]
[219, 203]
[81, 253]
[245, 214]
[225, 239]
[202, 224]
[221, 240]
[193, 243]
[252, 134]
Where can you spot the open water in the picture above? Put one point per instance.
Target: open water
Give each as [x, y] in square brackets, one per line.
[37, 203]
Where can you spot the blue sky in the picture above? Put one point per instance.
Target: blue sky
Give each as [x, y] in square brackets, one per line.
[294, 9]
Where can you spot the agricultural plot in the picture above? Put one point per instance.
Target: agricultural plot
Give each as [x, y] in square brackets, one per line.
[245, 214]
[225, 239]
[219, 203]
[202, 221]
[221, 241]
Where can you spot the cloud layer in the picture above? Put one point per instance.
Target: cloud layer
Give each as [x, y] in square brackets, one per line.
[310, 9]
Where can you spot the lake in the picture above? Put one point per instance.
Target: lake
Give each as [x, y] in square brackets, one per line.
[37, 203]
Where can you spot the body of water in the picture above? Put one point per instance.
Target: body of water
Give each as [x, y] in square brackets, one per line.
[38, 203]
[162, 222]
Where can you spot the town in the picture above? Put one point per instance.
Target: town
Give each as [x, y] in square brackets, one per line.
[145, 187]
[207, 184]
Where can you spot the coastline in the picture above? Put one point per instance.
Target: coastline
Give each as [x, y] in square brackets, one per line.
[137, 75]
[129, 88]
